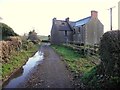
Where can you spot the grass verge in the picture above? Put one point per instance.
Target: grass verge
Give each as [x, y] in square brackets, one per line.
[87, 74]
[77, 63]
[16, 61]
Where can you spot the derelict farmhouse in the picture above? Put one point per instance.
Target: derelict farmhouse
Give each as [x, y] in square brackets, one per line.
[85, 31]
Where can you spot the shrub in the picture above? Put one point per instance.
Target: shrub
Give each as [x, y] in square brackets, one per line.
[109, 53]
[8, 47]
[6, 31]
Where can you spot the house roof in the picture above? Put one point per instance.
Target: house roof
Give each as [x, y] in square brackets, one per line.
[82, 21]
[72, 23]
[63, 25]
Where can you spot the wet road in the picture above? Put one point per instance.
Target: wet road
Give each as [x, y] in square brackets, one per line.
[51, 73]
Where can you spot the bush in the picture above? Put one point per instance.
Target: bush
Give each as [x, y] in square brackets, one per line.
[8, 47]
[107, 73]
[6, 31]
[109, 53]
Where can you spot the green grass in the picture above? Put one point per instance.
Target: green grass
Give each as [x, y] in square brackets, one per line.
[42, 37]
[76, 62]
[16, 61]
[94, 80]
[90, 75]
[79, 64]
[89, 67]
[0, 71]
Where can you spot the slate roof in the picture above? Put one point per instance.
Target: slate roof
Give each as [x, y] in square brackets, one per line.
[72, 23]
[66, 27]
[82, 21]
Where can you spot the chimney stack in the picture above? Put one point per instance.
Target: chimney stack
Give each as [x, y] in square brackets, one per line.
[67, 19]
[54, 19]
[94, 14]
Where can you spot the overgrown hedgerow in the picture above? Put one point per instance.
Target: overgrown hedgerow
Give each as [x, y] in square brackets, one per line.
[17, 60]
[107, 74]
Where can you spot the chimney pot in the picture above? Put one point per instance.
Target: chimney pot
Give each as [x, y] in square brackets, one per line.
[67, 19]
[54, 19]
[94, 14]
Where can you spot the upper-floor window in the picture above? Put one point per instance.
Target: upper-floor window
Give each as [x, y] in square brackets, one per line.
[63, 23]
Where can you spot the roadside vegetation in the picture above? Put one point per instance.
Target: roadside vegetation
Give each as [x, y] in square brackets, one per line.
[15, 50]
[81, 65]
[17, 59]
[6, 31]
[106, 75]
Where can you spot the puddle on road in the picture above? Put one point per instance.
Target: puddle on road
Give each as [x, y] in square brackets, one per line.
[22, 73]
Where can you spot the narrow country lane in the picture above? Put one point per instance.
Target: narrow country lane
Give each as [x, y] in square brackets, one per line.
[51, 73]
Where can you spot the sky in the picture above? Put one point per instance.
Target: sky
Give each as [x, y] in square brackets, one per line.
[26, 15]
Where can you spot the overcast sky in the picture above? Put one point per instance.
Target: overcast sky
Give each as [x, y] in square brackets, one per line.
[24, 15]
